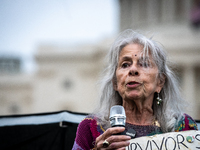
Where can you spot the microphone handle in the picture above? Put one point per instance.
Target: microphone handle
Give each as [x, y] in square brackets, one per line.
[121, 133]
[130, 132]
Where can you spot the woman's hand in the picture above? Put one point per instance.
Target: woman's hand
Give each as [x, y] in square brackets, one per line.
[114, 141]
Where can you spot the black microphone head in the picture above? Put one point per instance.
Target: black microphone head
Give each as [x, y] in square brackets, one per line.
[117, 116]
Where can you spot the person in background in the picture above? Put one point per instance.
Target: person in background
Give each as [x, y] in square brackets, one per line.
[139, 78]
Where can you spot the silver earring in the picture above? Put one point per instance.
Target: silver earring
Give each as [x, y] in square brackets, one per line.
[159, 100]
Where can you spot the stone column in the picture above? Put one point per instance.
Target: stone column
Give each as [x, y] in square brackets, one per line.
[168, 11]
[187, 9]
[125, 14]
[189, 89]
[153, 11]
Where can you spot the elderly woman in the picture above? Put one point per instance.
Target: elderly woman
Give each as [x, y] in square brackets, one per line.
[139, 78]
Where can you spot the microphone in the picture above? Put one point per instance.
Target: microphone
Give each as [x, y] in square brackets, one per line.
[118, 119]
[117, 116]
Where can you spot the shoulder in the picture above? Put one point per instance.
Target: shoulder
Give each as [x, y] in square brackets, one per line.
[87, 132]
[90, 123]
[186, 123]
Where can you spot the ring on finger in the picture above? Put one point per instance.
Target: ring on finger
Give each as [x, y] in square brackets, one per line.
[106, 144]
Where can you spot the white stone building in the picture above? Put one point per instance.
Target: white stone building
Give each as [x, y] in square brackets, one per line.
[67, 80]
[170, 22]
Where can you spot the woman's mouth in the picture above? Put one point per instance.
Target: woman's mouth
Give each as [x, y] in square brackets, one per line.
[132, 84]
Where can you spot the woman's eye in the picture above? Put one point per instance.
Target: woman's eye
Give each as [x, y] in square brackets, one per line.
[125, 65]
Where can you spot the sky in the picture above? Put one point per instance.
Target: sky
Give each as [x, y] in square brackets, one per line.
[24, 24]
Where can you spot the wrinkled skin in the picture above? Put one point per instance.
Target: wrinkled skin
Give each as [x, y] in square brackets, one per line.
[136, 82]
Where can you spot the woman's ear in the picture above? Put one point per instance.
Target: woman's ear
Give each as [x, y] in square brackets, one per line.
[161, 82]
[114, 84]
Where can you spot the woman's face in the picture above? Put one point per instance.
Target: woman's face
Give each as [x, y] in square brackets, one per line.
[136, 79]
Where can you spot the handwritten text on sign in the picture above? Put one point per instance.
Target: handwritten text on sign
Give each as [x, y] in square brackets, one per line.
[167, 141]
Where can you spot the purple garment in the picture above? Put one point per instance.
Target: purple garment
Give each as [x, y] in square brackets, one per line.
[143, 130]
[88, 130]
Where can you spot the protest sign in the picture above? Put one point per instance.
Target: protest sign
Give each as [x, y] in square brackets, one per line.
[185, 140]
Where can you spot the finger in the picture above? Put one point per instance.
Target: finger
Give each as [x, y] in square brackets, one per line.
[121, 140]
[111, 131]
[118, 138]
[115, 141]
[118, 141]
[124, 148]
[98, 141]
[100, 138]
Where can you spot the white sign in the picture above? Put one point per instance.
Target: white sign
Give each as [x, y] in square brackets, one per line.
[185, 140]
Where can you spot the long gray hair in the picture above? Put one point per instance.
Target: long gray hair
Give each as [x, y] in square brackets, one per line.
[171, 108]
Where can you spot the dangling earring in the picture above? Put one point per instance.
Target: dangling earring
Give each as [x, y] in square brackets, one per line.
[159, 100]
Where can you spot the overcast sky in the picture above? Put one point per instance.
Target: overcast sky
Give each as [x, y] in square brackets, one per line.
[26, 23]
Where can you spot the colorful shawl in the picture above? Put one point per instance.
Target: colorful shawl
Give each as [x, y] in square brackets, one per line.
[88, 130]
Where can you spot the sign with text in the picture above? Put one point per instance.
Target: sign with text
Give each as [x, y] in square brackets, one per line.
[185, 140]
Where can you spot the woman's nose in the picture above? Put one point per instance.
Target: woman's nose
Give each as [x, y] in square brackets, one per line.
[133, 71]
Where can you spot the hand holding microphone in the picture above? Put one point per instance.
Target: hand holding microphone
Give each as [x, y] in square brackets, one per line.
[109, 139]
[115, 137]
[118, 119]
